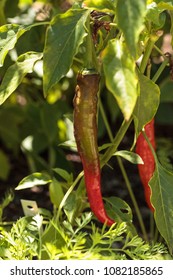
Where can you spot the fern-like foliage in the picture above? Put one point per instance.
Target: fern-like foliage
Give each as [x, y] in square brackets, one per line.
[36, 238]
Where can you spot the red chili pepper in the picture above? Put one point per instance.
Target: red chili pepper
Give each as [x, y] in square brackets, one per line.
[85, 131]
[146, 170]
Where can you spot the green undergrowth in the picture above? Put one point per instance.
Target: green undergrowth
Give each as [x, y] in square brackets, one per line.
[45, 237]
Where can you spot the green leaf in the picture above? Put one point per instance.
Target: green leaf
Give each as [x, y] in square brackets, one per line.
[165, 5]
[53, 235]
[130, 156]
[4, 166]
[69, 144]
[56, 192]
[162, 199]
[15, 73]
[9, 34]
[155, 15]
[166, 90]
[130, 16]
[64, 36]
[120, 75]
[33, 180]
[72, 206]
[147, 103]
[64, 174]
[118, 209]
[2, 14]
[103, 5]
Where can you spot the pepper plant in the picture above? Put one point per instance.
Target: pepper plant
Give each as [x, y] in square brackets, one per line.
[109, 46]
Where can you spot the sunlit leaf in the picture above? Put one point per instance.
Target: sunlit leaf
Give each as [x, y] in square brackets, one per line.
[15, 73]
[120, 75]
[64, 36]
[130, 15]
[33, 180]
[9, 35]
[52, 234]
[130, 156]
[155, 15]
[165, 5]
[103, 5]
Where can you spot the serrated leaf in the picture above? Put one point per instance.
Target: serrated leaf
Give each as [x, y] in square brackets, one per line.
[33, 180]
[147, 103]
[120, 75]
[15, 73]
[64, 36]
[130, 16]
[130, 156]
[162, 199]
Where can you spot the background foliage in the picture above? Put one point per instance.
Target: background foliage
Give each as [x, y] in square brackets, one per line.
[41, 50]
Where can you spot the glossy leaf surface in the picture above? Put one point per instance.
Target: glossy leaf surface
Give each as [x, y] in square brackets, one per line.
[120, 75]
[64, 36]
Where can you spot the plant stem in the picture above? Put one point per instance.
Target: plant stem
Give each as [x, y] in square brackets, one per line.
[160, 70]
[152, 227]
[128, 185]
[68, 193]
[135, 204]
[150, 145]
[153, 38]
[90, 59]
[116, 141]
[146, 55]
[106, 123]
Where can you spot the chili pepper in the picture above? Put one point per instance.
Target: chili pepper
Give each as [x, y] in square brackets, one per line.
[146, 170]
[85, 132]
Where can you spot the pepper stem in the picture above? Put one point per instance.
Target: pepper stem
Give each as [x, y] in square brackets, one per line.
[116, 141]
[153, 38]
[90, 58]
